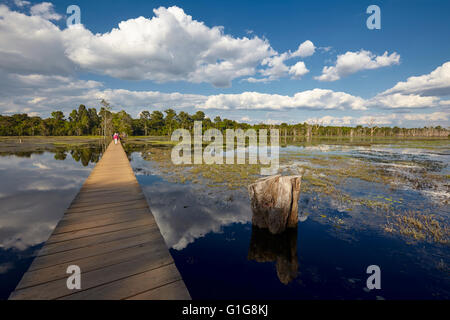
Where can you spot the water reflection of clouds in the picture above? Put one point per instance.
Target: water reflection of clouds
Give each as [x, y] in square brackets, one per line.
[34, 197]
[184, 213]
[28, 218]
[40, 166]
[22, 174]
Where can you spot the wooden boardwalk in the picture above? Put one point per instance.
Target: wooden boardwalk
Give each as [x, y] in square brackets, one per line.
[111, 234]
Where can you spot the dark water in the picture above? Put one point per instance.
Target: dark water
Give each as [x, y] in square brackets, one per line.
[211, 239]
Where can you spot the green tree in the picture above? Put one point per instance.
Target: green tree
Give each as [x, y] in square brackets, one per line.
[57, 123]
[198, 116]
[185, 120]
[157, 122]
[145, 120]
[122, 122]
[170, 120]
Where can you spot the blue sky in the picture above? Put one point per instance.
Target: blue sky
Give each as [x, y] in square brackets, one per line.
[369, 76]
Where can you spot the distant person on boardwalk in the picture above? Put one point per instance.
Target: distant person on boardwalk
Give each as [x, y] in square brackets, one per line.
[116, 137]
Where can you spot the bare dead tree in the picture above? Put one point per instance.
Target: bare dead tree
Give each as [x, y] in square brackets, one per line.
[371, 124]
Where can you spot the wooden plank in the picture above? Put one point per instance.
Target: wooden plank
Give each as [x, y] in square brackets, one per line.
[110, 185]
[108, 182]
[99, 230]
[33, 278]
[130, 286]
[124, 207]
[85, 192]
[88, 203]
[105, 205]
[93, 240]
[108, 206]
[88, 216]
[84, 197]
[68, 227]
[172, 291]
[58, 288]
[72, 256]
[110, 233]
[93, 215]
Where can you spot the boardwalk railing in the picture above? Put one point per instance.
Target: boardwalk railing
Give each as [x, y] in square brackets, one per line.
[110, 233]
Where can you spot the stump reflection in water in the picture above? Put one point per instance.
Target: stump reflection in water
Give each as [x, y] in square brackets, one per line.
[280, 248]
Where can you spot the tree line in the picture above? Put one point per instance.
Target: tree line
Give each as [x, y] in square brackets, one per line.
[87, 121]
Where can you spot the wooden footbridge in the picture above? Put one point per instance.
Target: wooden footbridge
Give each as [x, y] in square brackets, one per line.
[110, 233]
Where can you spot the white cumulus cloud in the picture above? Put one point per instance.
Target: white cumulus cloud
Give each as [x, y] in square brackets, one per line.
[352, 62]
[44, 10]
[298, 70]
[171, 46]
[31, 45]
[436, 83]
[310, 99]
[21, 3]
[305, 49]
[40, 95]
[401, 101]
[276, 67]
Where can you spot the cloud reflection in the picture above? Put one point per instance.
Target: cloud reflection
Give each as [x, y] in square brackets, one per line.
[185, 213]
[35, 192]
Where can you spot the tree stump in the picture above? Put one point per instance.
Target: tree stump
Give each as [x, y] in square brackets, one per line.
[274, 202]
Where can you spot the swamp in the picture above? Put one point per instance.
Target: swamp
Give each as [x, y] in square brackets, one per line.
[363, 201]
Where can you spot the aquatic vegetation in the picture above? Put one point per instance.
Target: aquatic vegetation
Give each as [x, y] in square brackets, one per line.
[231, 177]
[420, 227]
[334, 173]
[325, 174]
[161, 140]
[31, 144]
[421, 175]
[369, 203]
